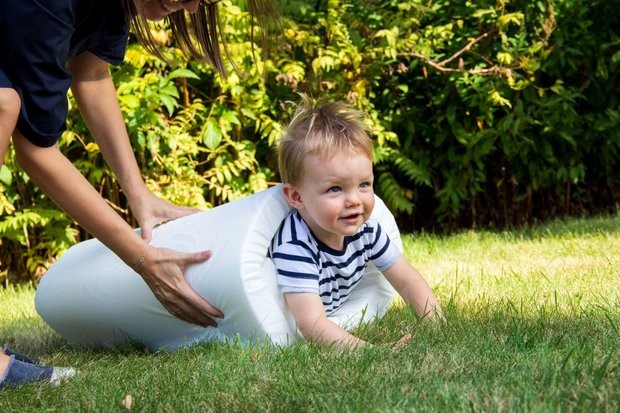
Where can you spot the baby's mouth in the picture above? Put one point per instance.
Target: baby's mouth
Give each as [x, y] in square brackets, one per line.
[351, 217]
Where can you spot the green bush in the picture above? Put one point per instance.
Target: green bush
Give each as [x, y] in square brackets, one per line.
[482, 115]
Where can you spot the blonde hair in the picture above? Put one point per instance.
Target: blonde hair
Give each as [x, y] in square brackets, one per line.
[199, 34]
[320, 128]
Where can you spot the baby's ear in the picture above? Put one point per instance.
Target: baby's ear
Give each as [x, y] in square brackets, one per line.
[292, 195]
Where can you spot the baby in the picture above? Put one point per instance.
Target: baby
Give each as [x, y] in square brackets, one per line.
[324, 245]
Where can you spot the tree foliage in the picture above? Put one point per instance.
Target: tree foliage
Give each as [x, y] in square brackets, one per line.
[482, 114]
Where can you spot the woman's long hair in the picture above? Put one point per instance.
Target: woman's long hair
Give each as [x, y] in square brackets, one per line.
[199, 34]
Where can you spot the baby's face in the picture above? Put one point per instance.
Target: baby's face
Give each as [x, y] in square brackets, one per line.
[336, 194]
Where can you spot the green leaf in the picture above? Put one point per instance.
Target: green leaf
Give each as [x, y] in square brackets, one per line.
[169, 103]
[212, 135]
[231, 116]
[6, 177]
[186, 73]
[505, 20]
[130, 101]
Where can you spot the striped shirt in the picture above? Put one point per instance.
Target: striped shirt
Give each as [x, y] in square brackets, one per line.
[306, 265]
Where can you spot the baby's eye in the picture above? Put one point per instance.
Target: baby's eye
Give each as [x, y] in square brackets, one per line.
[365, 185]
[334, 189]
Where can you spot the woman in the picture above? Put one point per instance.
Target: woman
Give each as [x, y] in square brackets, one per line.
[47, 46]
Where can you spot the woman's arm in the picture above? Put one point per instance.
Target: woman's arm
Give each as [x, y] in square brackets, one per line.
[410, 284]
[95, 93]
[161, 269]
[307, 309]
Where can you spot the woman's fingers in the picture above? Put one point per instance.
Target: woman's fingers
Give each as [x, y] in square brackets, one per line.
[188, 308]
[197, 258]
[195, 309]
[163, 272]
[181, 211]
[192, 258]
[159, 212]
[146, 231]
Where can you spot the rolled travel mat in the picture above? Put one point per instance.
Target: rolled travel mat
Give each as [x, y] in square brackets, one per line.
[91, 297]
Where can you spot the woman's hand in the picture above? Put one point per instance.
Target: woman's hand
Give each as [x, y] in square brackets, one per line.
[151, 211]
[162, 270]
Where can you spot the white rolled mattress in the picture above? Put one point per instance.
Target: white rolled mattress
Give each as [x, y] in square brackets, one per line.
[90, 297]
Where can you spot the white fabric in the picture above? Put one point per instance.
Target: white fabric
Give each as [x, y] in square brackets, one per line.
[90, 297]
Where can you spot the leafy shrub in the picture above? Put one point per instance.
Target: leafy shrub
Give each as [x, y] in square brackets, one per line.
[482, 115]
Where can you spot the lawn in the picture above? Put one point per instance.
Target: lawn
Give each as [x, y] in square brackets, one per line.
[533, 325]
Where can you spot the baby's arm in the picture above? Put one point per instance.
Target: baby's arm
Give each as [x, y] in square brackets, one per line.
[307, 308]
[408, 282]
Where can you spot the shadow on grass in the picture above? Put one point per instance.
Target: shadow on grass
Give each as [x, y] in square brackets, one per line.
[516, 324]
[35, 338]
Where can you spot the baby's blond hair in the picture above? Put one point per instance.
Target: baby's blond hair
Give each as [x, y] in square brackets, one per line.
[321, 128]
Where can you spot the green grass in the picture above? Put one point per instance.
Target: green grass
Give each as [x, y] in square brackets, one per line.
[534, 319]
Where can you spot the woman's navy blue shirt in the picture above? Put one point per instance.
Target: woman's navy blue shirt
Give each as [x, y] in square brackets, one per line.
[37, 39]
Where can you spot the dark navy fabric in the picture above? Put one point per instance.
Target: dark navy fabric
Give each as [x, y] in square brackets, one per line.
[37, 38]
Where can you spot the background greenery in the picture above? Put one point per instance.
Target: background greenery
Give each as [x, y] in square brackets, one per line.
[533, 326]
[483, 115]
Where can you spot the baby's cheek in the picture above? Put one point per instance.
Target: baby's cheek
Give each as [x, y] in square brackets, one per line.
[370, 205]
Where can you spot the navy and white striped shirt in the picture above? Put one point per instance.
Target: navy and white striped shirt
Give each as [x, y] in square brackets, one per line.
[306, 265]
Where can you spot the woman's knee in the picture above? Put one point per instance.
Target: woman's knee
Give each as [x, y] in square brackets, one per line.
[10, 104]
